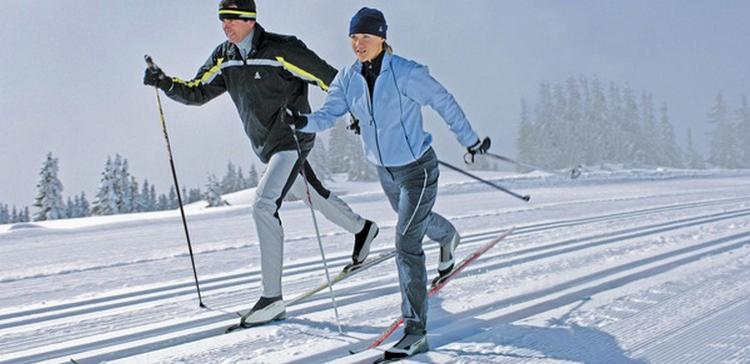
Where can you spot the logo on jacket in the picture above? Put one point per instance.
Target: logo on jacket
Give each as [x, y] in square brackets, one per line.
[257, 75]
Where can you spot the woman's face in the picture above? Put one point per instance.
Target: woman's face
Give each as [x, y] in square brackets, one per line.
[366, 46]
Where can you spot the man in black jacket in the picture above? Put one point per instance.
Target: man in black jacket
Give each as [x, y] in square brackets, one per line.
[263, 73]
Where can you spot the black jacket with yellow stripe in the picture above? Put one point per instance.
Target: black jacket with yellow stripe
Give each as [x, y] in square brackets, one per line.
[275, 73]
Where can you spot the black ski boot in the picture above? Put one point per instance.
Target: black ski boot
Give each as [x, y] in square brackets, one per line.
[362, 241]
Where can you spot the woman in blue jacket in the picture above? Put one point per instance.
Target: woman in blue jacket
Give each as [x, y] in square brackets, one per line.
[385, 93]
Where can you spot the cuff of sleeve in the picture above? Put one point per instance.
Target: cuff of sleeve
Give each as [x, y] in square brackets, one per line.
[471, 141]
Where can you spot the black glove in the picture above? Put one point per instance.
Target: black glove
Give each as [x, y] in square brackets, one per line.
[154, 76]
[291, 116]
[481, 146]
[354, 125]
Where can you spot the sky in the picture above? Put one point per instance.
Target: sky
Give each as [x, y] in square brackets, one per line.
[71, 81]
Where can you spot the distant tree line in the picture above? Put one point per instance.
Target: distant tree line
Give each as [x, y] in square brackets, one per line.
[13, 215]
[580, 122]
[119, 193]
[730, 139]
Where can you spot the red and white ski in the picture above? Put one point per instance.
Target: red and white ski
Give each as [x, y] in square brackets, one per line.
[439, 283]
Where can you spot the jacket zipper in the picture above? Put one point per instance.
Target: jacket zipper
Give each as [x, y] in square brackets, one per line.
[372, 115]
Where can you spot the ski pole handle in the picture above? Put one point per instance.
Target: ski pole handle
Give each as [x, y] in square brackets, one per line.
[150, 62]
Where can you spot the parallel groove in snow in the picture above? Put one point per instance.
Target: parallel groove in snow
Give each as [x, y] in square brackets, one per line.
[712, 217]
[188, 286]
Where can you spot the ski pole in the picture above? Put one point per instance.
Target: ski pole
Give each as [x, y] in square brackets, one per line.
[575, 172]
[315, 221]
[153, 65]
[501, 188]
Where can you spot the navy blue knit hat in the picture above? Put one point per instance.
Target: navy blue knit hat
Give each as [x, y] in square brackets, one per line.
[368, 21]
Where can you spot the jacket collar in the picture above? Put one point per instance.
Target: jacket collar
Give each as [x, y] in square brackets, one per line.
[258, 34]
[386, 65]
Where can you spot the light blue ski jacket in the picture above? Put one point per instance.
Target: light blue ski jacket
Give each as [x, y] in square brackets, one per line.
[391, 124]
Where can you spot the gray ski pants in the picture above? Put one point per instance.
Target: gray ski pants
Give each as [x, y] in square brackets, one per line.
[411, 191]
[280, 178]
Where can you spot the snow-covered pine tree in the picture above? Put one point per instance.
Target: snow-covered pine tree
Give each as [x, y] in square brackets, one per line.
[743, 133]
[693, 159]
[360, 170]
[542, 147]
[597, 134]
[526, 136]
[162, 203]
[70, 208]
[213, 192]
[668, 152]
[344, 154]
[317, 159]
[4, 214]
[338, 148]
[106, 200]
[84, 208]
[615, 136]
[136, 201]
[49, 202]
[723, 139]
[152, 199]
[556, 137]
[195, 195]
[649, 132]
[631, 129]
[76, 207]
[241, 180]
[122, 185]
[14, 216]
[145, 197]
[229, 181]
[252, 177]
[172, 199]
[572, 130]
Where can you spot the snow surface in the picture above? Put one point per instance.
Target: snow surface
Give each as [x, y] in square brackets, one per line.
[633, 266]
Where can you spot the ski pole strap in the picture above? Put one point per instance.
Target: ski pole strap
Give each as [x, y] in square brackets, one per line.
[501, 188]
[469, 158]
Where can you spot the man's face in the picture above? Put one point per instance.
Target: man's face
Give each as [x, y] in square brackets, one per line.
[366, 46]
[236, 29]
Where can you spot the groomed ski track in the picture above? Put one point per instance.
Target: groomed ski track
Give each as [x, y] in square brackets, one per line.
[641, 271]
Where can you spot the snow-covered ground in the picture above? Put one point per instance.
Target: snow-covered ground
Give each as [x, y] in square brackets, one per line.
[628, 266]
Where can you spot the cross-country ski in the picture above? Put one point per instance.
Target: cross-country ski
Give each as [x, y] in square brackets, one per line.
[437, 284]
